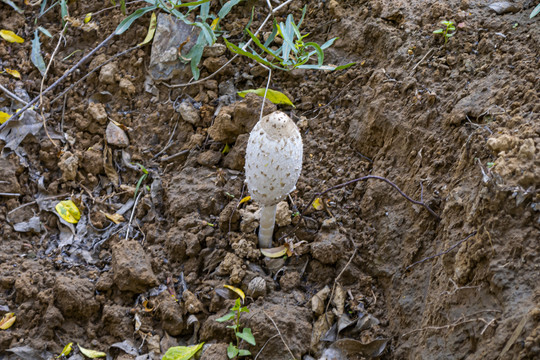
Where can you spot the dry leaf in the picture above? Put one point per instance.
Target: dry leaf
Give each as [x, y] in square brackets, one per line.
[87, 18]
[92, 354]
[67, 350]
[115, 218]
[246, 199]
[236, 290]
[7, 321]
[274, 252]
[151, 30]
[14, 73]
[10, 36]
[68, 211]
[317, 204]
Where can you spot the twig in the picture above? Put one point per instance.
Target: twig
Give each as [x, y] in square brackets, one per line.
[279, 332]
[12, 95]
[266, 343]
[454, 324]
[363, 178]
[61, 79]
[421, 60]
[169, 143]
[10, 194]
[94, 70]
[335, 283]
[175, 155]
[442, 253]
[132, 213]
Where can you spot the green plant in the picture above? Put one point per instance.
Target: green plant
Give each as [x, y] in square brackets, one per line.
[239, 331]
[447, 32]
[208, 34]
[535, 11]
[294, 53]
[141, 179]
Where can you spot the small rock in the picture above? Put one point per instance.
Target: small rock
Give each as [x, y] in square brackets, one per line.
[170, 313]
[131, 267]
[189, 113]
[257, 287]
[527, 150]
[215, 50]
[193, 305]
[250, 219]
[502, 143]
[504, 7]
[75, 297]
[97, 112]
[283, 214]
[215, 352]
[290, 280]
[107, 73]
[211, 84]
[214, 63]
[209, 158]
[69, 164]
[127, 87]
[328, 247]
[236, 158]
[116, 136]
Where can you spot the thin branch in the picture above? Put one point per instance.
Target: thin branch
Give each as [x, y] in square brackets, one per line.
[421, 60]
[442, 253]
[10, 194]
[279, 332]
[335, 283]
[132, 213]
[266, 343]
[12, 95]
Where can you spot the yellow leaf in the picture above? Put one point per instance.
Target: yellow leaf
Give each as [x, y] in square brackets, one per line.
[274, 252]
[151, 30]
[92, 354]
[146, 307]
[87, 18]
[14, 73]
[246, 199]
[66, 351]
[4, 117]
[10, 36]
[214, 24]
[115, 218]
[317, 204]
[7, 321]
[274, 96]
[68, 211]
[236, 290]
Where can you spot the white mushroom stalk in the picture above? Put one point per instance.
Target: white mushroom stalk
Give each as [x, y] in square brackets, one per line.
[273, 166]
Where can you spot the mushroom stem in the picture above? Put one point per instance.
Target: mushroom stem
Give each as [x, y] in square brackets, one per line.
[266, 229]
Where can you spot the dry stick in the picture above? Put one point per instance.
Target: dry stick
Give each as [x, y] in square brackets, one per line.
[442, 253]
[279, 332]
[61, 79]
[132, 213]
[43, 83]
[236, 55]
[93, 71]
[363, 178]
[335, 283]
[10, 194]
[266, 343]
[12, 95]
[421, 60]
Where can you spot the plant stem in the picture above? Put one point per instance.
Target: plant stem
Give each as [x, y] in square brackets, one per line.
[266, 229]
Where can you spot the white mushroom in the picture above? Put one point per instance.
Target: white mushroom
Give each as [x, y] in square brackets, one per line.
[273, 165]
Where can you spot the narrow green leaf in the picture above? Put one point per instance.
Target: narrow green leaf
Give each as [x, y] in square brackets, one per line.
[193, 3]
[247, 336]
[304, 10]
[43, 6]
[272, 35]
[232, 351]
[263, 47]
[235, 49]
[273, 95]
[141, 179]
[227, 8]
[126, 23]
[63, 10]
[44, 31]
[438, 31]
[123, 7]
[535, 11]
[328, 43]
[182, 352]
[325, 67]
[12, 4]
[226, 317]
[320, 53]
[205, 10]
[208, 33]
[244, 352]
[195, 54]
[35, 55]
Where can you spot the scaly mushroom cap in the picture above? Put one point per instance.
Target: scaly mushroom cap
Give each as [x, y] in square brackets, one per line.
[273, 158]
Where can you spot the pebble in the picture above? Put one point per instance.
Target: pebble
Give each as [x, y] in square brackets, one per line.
[127, 87]
[97, 112]
[116, 136]
[189, 113]
[107, 73]
[503, 7]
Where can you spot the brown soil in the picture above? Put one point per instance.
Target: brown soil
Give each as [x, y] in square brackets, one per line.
[456, 126]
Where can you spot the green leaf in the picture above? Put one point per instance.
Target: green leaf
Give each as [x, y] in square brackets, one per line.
[151, 30]
[193, 3]
[235, 49]
[304, 10]
[232, 351]
[227, 8]
[44, 31]
[208, 33]
[263, 47]
[123, 7]
[438, 31]
[43, 6]
[35, 55]
[273, 95]
[328, 43]
[141, 179]
[226, 317]
[63, 10]
[320, 53]
[195, 55]
[535, 11]
[325, 67]
[126, 23]
[244, 352]
[272, 35]
[247, 336]
[182, 352]
[12, 4]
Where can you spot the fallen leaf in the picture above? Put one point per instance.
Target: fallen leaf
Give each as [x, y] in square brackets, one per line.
[115, 218]
[214, 24]
[10, 36]
[7, 321]
[4, 117]
[92, 354]
[182, 352]
[151, 30]
[275, 252]
[66, 351]
[246, 199]
[87, 18]
[145, 306]
[14, 73]
[317, 204]
[236, 290]
[273, 95]
[35, 55]
[68, 211]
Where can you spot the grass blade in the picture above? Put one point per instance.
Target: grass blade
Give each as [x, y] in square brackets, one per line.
[12, 4]
[227, 8]
[126, 23]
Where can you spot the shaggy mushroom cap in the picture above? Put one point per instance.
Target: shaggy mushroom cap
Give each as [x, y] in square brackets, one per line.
[273, 158]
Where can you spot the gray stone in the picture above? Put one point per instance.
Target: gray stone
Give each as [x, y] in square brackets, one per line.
[504, 7]
[189, 113]
[171, 33]
[107, 73]
[116, 136]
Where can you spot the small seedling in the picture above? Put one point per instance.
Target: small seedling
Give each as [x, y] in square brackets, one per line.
[239, 331]
[447, 32]
[141, 179]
